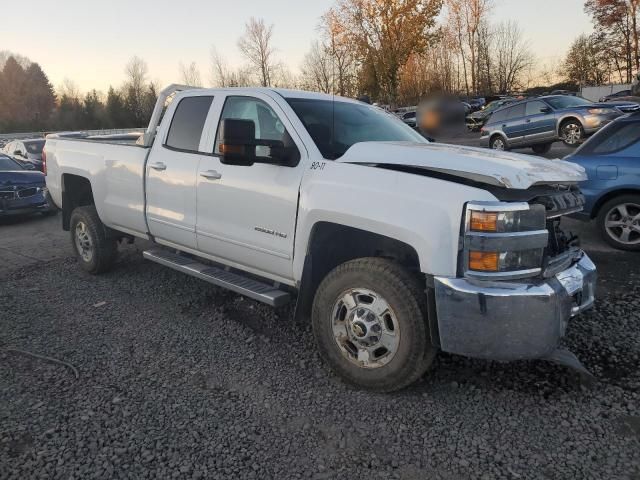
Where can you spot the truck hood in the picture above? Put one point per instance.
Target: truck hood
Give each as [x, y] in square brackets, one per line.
[503, 169]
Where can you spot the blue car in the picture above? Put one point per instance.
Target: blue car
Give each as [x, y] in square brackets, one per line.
[612, 193]
[22, 190]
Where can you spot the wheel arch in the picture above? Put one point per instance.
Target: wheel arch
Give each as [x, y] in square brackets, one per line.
[611, 195]
[76, 192]
[354, 243]
[566, 119]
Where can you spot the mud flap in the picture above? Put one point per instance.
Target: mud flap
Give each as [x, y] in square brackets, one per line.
[564, 357]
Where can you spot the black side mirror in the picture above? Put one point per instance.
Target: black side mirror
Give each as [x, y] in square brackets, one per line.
[237, 142]
[18, 153]
[238, 146]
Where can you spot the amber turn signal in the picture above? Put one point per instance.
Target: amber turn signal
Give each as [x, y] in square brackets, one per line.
[484, 221]
[484, 261]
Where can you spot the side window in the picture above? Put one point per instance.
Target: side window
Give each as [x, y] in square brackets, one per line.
[187, 123]
[535, 108]
[617, 137]
[268, 125]
[516, 111]
[500, 115]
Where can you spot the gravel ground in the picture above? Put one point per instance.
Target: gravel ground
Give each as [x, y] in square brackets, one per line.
[178, 379]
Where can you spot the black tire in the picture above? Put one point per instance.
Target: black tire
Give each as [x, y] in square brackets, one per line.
[633, 208]
[572, 141]
[104, 250]
[541, 148]
[495, 143]
[404, 295]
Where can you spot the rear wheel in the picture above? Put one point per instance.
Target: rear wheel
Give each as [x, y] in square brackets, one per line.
[571, 133]
[96, 252]
[369, 322]
[541, 149]
[498, 143]
[619, 222]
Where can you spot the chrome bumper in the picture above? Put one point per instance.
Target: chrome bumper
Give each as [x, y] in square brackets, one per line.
[511, 320]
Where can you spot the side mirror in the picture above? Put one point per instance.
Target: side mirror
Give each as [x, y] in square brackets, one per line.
[18, 153]
[545, 109]
[29, 166]
[237, 142]
[238, 146]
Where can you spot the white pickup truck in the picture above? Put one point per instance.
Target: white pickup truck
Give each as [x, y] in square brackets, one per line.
[394, 247]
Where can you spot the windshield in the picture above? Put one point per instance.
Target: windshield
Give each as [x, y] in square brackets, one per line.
[350, 123]
[34, 146]
[7, 164]
[567, 102]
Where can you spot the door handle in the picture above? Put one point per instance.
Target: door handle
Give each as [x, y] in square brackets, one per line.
[211, 175]
[158, 166]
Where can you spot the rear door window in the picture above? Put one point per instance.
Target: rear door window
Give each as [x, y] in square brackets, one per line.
[187, 123]
[613, 138]
[516, 111]
[500, 115]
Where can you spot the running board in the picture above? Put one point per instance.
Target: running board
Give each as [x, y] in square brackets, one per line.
[220, 277]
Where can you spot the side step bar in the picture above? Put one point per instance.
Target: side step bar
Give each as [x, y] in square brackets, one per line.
[238, 283]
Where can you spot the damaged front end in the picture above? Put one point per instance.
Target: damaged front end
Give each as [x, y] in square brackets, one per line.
[521, 279]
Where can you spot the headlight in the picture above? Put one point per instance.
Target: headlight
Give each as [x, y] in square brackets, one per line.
[504, 240]
[599, 111]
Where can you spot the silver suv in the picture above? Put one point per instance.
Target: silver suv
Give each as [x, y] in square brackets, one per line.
[539, 122]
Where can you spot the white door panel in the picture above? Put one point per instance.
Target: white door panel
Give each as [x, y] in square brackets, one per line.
[247, 214]
[171, 196]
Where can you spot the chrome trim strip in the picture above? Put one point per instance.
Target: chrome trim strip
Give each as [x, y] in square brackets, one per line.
[242, 244]
[175, 225]
[498, 206]
[506, 242]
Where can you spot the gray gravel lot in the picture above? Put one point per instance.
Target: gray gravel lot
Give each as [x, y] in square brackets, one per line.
[178, 379]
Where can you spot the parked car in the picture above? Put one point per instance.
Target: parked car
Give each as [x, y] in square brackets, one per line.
[611, 159]
[539, 122]
[410, 118]
[625, 106]
[615, 96]
[476, 120]
[564, 92]
[29, 151]
[22, 189]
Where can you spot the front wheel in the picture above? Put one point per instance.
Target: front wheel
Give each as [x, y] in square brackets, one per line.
[619, 222]
[572, 133]
[96, 252]
[369, 322]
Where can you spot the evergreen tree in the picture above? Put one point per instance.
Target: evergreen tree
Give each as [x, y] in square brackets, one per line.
[39, 99]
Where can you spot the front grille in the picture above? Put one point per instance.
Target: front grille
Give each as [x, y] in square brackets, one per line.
[563, 248]
[7, 195]
[27, 192]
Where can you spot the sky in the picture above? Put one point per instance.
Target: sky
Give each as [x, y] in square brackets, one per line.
[90, 42]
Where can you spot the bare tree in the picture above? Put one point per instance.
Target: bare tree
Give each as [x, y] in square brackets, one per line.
[317, 69]
[223, 76]
[190, 74]
[256, 46]
[513, 58]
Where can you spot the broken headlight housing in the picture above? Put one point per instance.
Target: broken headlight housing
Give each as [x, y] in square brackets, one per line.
[504, 240]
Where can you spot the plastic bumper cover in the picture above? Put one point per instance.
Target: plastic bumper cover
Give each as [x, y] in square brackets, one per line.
[511, 320]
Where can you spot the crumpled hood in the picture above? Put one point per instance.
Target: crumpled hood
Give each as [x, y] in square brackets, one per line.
[504, 169]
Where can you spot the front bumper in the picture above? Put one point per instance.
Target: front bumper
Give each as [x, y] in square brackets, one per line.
[24, 206]
[511, 320]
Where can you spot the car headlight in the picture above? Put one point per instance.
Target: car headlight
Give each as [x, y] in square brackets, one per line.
[599, 111]
[504, 240]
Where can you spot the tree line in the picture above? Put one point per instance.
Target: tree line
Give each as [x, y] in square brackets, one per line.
[393, 51]
[29, 102]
